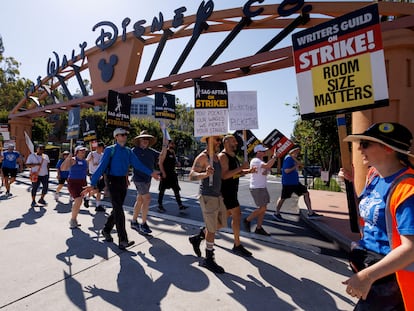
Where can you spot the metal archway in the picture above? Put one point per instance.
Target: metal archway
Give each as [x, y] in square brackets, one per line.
[220, 21]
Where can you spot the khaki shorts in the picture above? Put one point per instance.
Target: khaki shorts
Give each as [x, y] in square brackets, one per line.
[214, 212]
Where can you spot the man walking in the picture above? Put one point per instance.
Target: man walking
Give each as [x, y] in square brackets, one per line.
[231, 170]
[258, 188]
[211, 201]
[116, 161]
[169, 178]
[11, 160]
[39, 164]
[291, 184]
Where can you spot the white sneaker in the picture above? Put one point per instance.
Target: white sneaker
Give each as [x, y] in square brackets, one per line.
[56, 196]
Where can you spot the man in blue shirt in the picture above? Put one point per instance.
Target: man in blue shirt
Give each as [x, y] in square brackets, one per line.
[116, 161]
[291, 184]
[11, 159]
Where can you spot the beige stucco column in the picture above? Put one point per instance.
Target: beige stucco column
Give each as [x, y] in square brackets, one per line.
[399, 62]
[17, 128]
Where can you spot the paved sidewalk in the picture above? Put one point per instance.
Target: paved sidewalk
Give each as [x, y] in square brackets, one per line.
[46, 266]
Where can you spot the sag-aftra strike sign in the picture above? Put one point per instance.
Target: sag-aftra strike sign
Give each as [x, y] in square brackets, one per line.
[340, 65]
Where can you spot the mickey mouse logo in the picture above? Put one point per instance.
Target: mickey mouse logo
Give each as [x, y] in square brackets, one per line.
[107, 69]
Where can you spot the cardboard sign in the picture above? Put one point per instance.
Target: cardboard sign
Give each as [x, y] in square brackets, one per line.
[251, 141]
[73, 123]
[277, 140]
[243, 110]
[340, 65]
[88, 129]
[210, 108]
[118, 113]
[164, 106]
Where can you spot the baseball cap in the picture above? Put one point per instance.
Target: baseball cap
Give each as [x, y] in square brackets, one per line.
[391, 134]
[120, 130]
[260, 148]
[78, 148]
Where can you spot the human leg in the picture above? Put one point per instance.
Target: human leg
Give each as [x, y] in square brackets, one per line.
[75, 211]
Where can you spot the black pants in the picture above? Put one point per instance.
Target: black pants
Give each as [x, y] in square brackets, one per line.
[175, 187]
[118, 190]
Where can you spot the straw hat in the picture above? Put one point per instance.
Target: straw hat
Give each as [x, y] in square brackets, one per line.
[204, 138]
[144, 134]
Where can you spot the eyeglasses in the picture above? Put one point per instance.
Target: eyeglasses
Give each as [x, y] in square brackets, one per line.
[364, 144]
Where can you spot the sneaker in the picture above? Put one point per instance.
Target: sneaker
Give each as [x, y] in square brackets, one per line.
[196, 241]
[99, 208]
[56, 196]
[71, 199]
[8, 194]
[135, 225]
[261, 231]
[210, 263]
[33, 204]
[42, 201]
[240, 250]
[124, 244]
[278, 217]
[314, 215]
[85, 202]
[246, 224]
[107, 236]
[161, 209]
[182, 207]
[73, 224]
[145, 229]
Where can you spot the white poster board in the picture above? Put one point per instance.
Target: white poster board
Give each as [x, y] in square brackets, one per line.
[243, 110]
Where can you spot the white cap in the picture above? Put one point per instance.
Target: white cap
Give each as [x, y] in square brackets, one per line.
[120, 130]
[78, 148]
[260, 148]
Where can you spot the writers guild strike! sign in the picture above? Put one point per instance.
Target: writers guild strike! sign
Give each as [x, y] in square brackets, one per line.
[340, 65]
[164, 106]
[210, 108]
[119, 110]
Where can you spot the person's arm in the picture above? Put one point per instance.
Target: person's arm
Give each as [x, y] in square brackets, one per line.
[67, 163]
[138, 165]
[226, 173]
[161, 160]
[400, 257]
[201, 168]
[269, 164]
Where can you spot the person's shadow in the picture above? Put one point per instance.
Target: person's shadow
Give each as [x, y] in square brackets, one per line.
[147, 291]
[28, 218]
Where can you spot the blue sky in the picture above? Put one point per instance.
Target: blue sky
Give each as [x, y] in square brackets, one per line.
[32, 30]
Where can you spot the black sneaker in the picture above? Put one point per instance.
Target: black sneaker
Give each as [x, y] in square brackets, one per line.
[33, 204]
[86, 202]
[240, 250]
[145, 229]
[135, 225]
[211, 265]
[107, 236]
[182, 207]
[278, 217]
[196, 241]
[246, 224]
[99, 208]
[124, 244]
[261, 231]
[161, 209]
[42, 201]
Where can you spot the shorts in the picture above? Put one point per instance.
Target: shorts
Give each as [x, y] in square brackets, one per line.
[142, 187]
[214, 212]
[62, 180]
[75, 187]
[260, 196]
[288, 190]
[230, 200]
[9, 172]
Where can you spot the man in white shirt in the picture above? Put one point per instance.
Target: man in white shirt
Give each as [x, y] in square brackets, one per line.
[93, 159]
[39, 164]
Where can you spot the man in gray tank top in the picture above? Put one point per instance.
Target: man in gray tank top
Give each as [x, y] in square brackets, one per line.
[205, 165]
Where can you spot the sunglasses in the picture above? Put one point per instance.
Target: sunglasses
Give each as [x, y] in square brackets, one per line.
[218, 140]
[364, 144]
